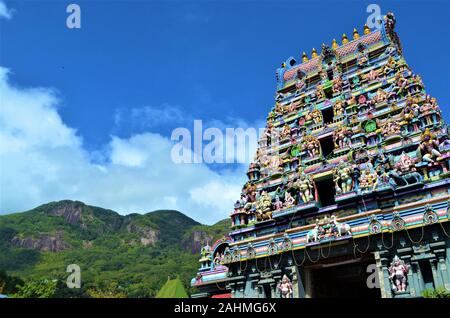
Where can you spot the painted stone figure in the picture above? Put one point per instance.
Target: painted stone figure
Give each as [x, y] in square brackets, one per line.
[428, 149]
[343, 178]
[398, 274]
[312, 145]
[285, 287]
[305, 187]
[263, 207]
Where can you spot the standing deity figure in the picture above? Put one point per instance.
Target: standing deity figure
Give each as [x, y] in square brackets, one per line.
[400, 83]
[429, 147]
[343, 178]
[285, 132]
[341, 137]
[338, 108]
[285, 287]
[397, 274]
[305, 187]
[337, 85]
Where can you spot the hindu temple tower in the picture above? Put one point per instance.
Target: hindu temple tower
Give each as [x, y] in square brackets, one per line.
[348, 194]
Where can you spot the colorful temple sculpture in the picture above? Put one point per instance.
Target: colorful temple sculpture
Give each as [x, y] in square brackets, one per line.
[348, 194]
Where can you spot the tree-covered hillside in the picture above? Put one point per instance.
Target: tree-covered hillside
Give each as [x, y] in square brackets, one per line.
[129, 256]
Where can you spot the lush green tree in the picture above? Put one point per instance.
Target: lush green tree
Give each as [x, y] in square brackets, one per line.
[42, 288]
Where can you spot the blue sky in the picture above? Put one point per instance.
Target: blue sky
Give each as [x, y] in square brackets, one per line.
[137, 69]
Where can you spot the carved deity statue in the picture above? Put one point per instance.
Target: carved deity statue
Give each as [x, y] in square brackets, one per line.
[368, 179]
[305, 186]
[312, 145]
[289, 200]
[341, 137]
[389, 66]
[405, 164]
[316, 116]
[338, 108]
[390, 127]
[429, 147]
[337, 85]
[343, 178]
[263, 207]
[362, 56]
[285, 287]
[398, 272]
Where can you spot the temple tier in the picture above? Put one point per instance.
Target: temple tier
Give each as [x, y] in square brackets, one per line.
[348, 194]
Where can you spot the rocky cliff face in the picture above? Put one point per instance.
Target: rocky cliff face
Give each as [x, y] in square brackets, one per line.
[194, 242]
[71, 211]
[48, 243]
[147, 235]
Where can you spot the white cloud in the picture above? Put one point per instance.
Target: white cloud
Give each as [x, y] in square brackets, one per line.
[5, 13]
[42, 159]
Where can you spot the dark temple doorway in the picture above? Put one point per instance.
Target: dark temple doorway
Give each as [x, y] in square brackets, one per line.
[345, 280]
[326, 191]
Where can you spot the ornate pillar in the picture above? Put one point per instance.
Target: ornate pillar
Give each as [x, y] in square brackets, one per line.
[442, 268]
[414, 284]
[436, 275]
[273, 290]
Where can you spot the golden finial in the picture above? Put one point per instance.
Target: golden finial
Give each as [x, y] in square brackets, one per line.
[334, 44]
[366, 29]
[344, 39]
[355, 34]
[313, 53]
[304, 57]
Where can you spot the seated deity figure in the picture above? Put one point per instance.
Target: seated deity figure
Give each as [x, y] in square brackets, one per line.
[428, 149]
[368, 179]
[390, 127]
[405, 164]
[263, 207]
[380, 96]
[400, 83]
[278, 204]
[343, 177]
[389, 66]
[319, 92]
[289, 200]
[398, 272]
[316, 116]
[411, 109]
[285, 287]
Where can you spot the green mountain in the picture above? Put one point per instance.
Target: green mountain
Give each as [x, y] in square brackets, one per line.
[128, 255]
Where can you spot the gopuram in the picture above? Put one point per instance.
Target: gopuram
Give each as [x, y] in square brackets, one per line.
[348, 194]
